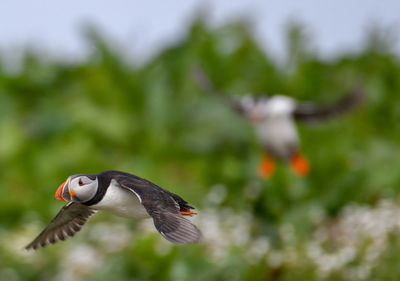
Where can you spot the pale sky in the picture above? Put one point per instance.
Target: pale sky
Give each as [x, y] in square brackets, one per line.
[145, 27]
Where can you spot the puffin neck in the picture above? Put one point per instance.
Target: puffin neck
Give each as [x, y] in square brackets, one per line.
[103, 181]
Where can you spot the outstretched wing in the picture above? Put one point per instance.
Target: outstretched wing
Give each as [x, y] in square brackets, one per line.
[173, 226]
[312, 112]
[164, 210]
[204, 83]
[68, 221]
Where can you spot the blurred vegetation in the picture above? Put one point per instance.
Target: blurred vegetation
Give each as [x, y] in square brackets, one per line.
[60, 118]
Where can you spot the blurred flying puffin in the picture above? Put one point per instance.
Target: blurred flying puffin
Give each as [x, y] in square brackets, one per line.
[121, 194]
[274, 118]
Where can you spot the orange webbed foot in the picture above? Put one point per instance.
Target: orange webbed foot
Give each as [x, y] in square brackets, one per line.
[187, 212]
[266, 168]
[300, 164]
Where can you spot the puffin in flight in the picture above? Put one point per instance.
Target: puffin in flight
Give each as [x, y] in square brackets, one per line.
[273, 118]
[121, 194]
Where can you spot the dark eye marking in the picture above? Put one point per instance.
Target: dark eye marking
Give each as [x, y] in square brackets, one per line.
[80, 182]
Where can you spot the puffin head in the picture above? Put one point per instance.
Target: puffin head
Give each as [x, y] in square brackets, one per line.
[78, 188]
[275, 106]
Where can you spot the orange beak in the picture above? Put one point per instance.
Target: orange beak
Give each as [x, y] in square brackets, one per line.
[60, 191]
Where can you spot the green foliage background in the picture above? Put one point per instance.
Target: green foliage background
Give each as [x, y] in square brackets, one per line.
[60, 118]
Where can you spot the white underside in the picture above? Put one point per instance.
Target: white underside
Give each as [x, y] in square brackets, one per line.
[278, 134]
[122, 202]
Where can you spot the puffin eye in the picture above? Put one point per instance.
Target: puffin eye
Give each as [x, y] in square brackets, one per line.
[80, 182]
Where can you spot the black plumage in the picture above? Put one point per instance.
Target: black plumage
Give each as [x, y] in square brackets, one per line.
[164, 207]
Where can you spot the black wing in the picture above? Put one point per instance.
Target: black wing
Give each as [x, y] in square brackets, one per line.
[311, 112]
[163, 208]
[68, 221]
[204, 83]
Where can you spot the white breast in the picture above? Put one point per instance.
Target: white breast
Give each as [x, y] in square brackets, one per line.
[277, 130]
[121, 202]
[279, 135]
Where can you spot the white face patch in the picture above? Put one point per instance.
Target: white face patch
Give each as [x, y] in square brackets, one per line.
[83, 187]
